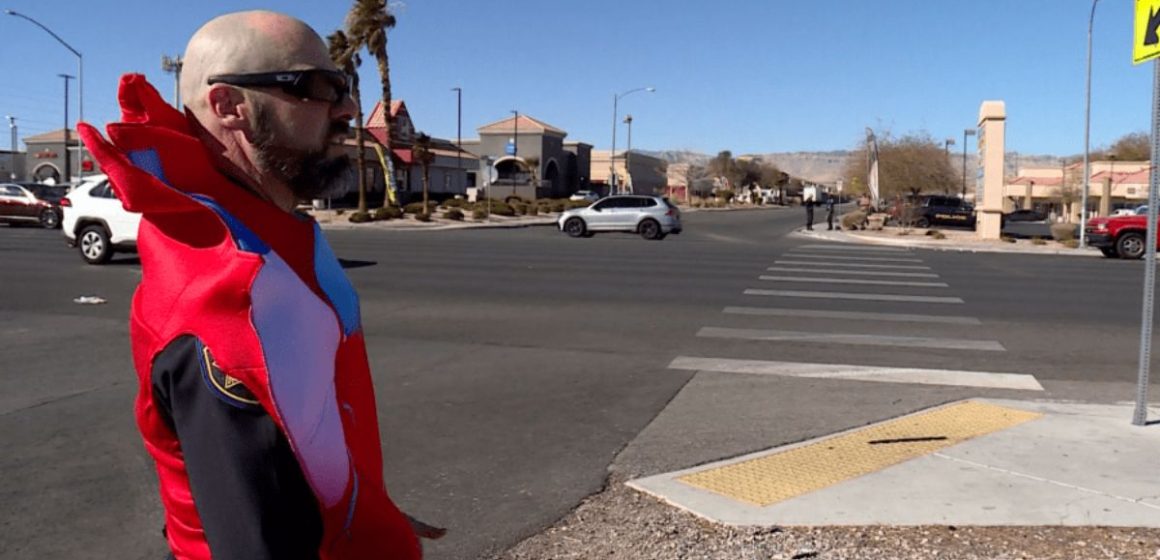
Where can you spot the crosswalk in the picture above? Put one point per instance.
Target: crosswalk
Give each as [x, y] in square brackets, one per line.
[836, 298]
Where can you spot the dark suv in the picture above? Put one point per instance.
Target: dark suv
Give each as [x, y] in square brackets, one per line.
[943, 210]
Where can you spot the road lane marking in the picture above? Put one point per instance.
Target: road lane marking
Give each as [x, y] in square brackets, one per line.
[855, 272]
[854, 315]
[856, 265]
[773, 335]
[921, 376]
[766, 478]
[855, 248]
[854, 281]
[844, 295]
[846, 258]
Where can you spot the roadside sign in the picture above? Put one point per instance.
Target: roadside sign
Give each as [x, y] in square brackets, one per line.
[1146, 31]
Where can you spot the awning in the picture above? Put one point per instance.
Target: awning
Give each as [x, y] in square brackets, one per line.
[403, 154]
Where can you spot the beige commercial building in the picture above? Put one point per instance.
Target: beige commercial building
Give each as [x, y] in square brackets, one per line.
[644, 174]
[1057, 190]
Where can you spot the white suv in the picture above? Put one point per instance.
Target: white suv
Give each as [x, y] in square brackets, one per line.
[96, 223]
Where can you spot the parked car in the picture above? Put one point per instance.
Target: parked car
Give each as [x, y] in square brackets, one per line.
[653, 217]
[1125, 212]
[96, 223]
[945, 210]
[1118, 236]
[1023, 216]
[590, 196]
[1142, 210]
[30, 203]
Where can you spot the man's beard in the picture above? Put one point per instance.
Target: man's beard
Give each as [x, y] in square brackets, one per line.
[309, 173]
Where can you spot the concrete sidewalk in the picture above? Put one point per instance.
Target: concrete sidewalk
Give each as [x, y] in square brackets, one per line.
[956, 240]
[331, 219]
[978, 462]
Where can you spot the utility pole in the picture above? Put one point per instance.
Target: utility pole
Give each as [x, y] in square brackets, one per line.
[67, 135]
[458, 128]
[12, 128]
[627, 154]
[173, 66]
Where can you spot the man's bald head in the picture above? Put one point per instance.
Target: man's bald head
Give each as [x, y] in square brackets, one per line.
[245, 42]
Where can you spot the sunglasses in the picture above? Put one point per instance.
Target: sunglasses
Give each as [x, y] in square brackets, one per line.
[330, 86]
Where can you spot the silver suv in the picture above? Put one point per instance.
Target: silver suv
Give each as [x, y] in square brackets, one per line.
[653, 217]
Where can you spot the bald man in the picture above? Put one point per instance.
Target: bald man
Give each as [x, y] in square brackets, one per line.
[255, 397]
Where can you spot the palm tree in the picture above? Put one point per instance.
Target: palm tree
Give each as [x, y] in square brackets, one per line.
[421, 152]
[345, 56]
[367, 24]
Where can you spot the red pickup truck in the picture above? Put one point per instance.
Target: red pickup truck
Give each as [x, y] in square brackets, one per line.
[1119, 236]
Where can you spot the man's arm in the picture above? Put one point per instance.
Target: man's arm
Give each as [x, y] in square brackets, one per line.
[249, 491]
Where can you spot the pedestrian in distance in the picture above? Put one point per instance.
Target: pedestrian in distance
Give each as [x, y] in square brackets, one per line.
[809, 204]
[254, 396]
[830, 213]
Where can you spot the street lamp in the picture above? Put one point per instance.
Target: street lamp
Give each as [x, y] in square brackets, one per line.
[966, 132]
[515, 133]
[12, 129]
[458, 128]
[628, 154]
[612, 156]
[947, 148]
[80, 82]
[1087, 125]
[67, 137]
[173, 66]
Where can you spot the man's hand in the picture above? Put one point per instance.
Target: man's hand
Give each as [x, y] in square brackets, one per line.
[426, 531]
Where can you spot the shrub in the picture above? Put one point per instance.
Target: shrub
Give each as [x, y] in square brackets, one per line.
[478, 214]
[455, 203]
[359, 218]
[570, 204]
[1038, 241]
[1007, 239]
[454, 214]
[853, 220]
[1063, 232]
[514, 199]
[932, 231]
[1070, 243]
[388, 213]
[939, 235]
[558, 206]
[534, 210]
[417, 208]
[726, 195]
[423, 217]
[339, 212]
[520, 208]
[502, 209]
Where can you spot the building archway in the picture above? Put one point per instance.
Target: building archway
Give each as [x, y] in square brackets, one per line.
[552, 177]
[46, 171]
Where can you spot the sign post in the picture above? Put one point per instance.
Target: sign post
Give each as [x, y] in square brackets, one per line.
[1145, 47]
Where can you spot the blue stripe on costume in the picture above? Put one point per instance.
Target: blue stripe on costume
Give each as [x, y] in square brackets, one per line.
[243, 237]
[148, 160]
[335, 284]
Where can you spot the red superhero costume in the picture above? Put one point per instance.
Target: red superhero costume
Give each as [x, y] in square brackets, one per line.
[276, 324]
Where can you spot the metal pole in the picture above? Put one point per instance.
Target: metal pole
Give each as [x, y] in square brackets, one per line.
[627, 155]
[1140, 416]
[67, 136]
[516, 134]
[966, 132]
[612, 154]
[1087, 125]
[12, 129]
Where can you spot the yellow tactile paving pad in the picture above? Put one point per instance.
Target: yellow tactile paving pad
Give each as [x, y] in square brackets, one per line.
[767, 480]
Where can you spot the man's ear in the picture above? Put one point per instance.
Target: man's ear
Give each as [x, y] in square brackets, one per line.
[228, 106]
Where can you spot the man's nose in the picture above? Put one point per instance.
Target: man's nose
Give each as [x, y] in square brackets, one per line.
[343, 110]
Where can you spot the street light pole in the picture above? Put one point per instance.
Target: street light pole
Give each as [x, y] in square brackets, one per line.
[612, 183]
[1087, 125]
[627, 155]
[67, 136]
[947, 148]
[173, 66]
[516, 133]
[458, 128]
[966, 132]
[80, 79]
[12, 129]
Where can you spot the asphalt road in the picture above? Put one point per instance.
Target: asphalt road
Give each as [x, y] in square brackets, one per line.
[516, 369]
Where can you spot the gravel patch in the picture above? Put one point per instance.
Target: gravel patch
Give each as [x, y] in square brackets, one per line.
[621, 523]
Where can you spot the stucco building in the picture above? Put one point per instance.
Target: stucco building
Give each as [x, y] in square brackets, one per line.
[44, 157]
[530, 158]
[642, 173]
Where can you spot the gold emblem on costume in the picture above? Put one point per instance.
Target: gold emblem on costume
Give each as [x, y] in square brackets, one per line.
[226, 386]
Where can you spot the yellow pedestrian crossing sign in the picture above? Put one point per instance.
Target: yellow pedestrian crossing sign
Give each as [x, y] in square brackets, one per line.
[1146, 31]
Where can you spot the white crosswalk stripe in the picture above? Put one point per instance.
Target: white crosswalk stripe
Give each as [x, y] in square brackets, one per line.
[852, 315]
[854, 272]
[774, 335]
[797, 255]
[985, 379]
[856, 296]
[853, 265]
[859, 281]
[856, 248]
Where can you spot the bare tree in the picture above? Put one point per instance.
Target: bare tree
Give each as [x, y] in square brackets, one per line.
[911, 165]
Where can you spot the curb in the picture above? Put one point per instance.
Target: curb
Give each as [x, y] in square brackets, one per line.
[437, 227]
[843, 237]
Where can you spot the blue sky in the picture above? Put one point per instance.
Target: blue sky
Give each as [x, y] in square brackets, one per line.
[749, 76]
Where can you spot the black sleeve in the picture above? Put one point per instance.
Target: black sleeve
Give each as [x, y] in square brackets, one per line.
[249, 490]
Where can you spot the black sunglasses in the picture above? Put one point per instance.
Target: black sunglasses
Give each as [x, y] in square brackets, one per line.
[330, 86]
